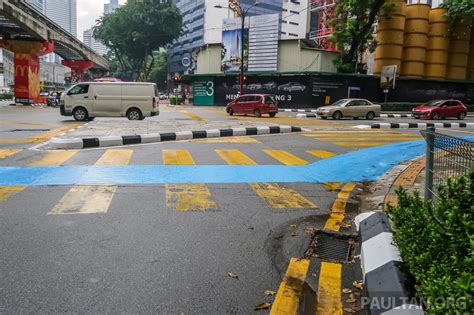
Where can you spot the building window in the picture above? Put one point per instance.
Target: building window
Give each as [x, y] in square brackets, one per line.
[294, 1]
[293, 34]
[283, 21]
[295, 12]
[293, 23]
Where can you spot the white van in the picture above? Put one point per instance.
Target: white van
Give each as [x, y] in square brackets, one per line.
[87, 100]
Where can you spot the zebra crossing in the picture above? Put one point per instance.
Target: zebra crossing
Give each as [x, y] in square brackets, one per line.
[368, 138]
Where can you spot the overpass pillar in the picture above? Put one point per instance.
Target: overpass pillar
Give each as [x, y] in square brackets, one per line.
[27, 71]
[78, 67]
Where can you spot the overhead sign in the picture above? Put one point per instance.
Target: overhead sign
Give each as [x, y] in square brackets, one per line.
[203, 91]
[388, 76]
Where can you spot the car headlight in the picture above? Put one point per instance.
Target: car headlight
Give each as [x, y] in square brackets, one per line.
[325, 110]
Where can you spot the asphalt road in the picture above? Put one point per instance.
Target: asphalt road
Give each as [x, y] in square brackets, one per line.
[166, 248]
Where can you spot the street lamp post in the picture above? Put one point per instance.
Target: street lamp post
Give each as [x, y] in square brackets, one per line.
[243, 14]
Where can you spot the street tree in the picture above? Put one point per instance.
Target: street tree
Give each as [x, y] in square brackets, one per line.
[459, 9]
[353, 29]
[135, 31]
[159, 71]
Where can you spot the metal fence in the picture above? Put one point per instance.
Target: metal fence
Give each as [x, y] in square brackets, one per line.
[446, 156]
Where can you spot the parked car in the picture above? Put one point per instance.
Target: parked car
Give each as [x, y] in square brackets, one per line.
[162, 96]
[269, 86]
[292, 86]
[350, 107]
[87, 100]
[254, 86]
[439, 109]
[253, 104]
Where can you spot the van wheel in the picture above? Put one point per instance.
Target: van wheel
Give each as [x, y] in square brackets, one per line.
[257, 113]
[134, 114]
[80, 114]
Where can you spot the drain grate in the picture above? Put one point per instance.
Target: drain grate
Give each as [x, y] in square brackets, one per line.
[332, 247]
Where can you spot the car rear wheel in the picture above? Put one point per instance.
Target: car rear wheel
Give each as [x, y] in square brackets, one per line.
[337, 115]
[134, 114]
[462, 115]
[80, 114]
[370, 115]
[230, 111]
[272, 114]
[257, 113]
[435, 116]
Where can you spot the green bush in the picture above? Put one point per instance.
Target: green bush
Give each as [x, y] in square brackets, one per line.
[6, 96]
[176, 101]
[437, 243]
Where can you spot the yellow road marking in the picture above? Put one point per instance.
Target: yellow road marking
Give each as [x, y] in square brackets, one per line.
[43, 136]
[229, 140]
[369, 139]
[321, 153]
[361, 144]
[85, 200]
[177, 157]
[186, 197]
[285, 157]
[235, 157]
[339, 208]
[88, 199]
[7, 191]
[7, 152]
[193, 116]
[54, 158]
[115, 157]
[289, 292]
[332, 186]
[279, 197]
[329, 289]
[12, 122]
[348, 131]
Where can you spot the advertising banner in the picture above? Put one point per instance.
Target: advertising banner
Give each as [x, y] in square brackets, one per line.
[387, 77]
[231, 45]
[203, 91]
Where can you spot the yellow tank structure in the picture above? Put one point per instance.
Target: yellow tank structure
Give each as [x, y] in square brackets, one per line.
[417, 25]
[438, 44]
[458, 56]
[390, 37]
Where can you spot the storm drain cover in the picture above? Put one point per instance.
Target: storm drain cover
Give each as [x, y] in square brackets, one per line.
[332, 247]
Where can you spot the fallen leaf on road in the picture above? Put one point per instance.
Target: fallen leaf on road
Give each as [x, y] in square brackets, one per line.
[314, 274]
[269, 292]
[309, 230]
[233, 275]
[351, 299]
[357, 285]
[346, 290]
[262, 306]
[349, 310]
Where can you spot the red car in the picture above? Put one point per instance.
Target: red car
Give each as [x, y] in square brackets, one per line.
[253, 104]
[439, 109]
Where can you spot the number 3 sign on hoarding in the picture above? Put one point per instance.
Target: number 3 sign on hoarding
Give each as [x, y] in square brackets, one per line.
[203, 91]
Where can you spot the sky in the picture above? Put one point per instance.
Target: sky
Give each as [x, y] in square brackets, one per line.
[88, 11]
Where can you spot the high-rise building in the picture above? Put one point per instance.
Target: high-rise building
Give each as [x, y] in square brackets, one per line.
[63, 13]
[7, 70]
[110, 7]
[37, 4]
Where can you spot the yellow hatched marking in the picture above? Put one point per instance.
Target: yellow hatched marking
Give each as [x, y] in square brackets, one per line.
[229, 140]
[361, 144]
[289, 292]
[54, 158]
[235, 157]
[85, 200]
[285, 157]
[321, 153]
[329, 289]
[177, 157]
[88, 199]
[339, 208]
[43, 136]
[279, 197]
[7, 191]
[186, 197]
[115, 157]
[7, 152]
[193, 116]
[370, 139]
[12, 122]
[331, 186]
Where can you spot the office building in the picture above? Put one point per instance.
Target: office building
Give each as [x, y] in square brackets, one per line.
[63, 13]
[7, 70]
[37, 4]
[111, 6]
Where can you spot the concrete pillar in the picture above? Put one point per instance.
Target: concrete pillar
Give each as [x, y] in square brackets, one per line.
[78, 67]
[27, 72]
[459, 51]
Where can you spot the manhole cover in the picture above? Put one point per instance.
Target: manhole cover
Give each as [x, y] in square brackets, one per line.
[332, 247]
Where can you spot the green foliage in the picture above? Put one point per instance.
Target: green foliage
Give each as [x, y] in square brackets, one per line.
[6, 96]
[135, 31]
[437, 243]
[353, 29]
[176, 100]
[159, 71]
[459, 8]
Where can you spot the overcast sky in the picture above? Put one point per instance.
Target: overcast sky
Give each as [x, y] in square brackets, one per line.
[88, 11]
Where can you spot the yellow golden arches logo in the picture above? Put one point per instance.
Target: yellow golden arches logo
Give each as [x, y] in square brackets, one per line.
[21, 70]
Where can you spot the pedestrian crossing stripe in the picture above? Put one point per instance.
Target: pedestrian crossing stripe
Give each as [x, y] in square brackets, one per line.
[177, 157]
[4, 153]
[285, 157]
[235, 157]
[361, 144]
[7, 191]
[321, 153]
[54, 158]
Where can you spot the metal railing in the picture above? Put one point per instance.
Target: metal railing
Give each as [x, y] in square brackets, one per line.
[446, 156]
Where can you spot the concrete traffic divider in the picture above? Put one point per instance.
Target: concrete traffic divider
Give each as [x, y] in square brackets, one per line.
[389, 286]
[307, 115]
[417, 126]
[396, 116]
[107, 141]
[293, 110]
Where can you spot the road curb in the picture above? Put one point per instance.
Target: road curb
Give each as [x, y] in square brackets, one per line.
[108, 141]
[396, 116]
[307, 115]
[417, 126]
[389, 286]
[293, 110]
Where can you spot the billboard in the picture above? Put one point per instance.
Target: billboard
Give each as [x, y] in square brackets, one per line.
[387, 77]
[231, 45]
